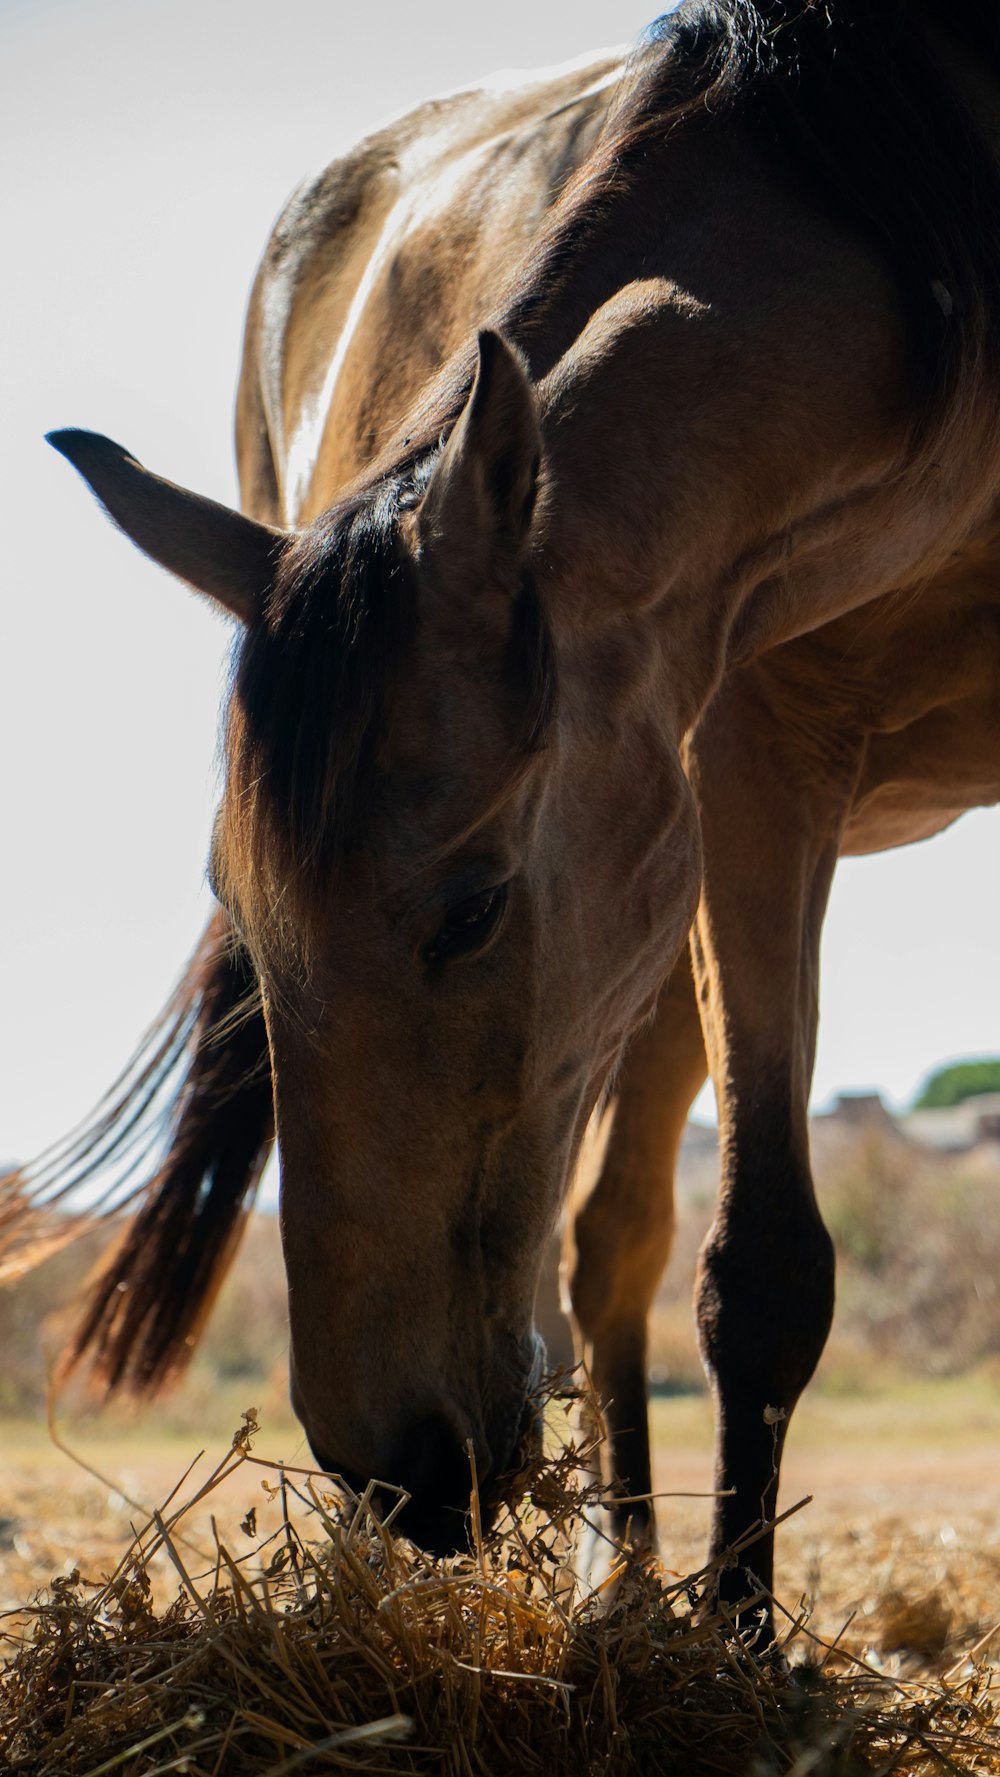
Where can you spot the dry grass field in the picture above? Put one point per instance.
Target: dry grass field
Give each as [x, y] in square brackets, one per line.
[903, 1487]
[890, 1581]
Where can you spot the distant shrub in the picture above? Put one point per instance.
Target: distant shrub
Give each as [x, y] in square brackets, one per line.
[864, 1203]
[918, 1257]
[241, 1359]
[953, 1085]
[918, 1265]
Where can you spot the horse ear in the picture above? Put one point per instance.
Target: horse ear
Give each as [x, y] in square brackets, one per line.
[482, 493]
[221, 553]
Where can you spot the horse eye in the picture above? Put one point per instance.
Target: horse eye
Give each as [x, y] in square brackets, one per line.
[468, 924]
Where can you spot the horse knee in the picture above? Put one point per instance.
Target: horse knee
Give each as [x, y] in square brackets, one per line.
[764, 1300]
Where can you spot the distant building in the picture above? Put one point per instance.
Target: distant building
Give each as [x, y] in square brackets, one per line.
[958, 1129]
[860, 1110]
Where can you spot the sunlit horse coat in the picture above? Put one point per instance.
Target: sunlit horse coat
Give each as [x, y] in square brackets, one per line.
[549, 651]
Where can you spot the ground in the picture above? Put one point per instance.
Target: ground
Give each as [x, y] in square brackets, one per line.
[898, 1552]
[903, 1511]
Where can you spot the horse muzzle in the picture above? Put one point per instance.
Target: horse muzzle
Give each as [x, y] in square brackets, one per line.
[437, 1468]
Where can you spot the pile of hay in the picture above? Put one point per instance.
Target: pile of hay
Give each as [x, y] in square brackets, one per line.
[335, 1646]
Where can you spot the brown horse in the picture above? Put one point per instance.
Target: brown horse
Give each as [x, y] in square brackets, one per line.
[693, 552]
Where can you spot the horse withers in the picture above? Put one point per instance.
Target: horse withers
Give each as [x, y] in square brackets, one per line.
[527, 622]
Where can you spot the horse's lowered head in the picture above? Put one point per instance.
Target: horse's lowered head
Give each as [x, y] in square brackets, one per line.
[457, 842]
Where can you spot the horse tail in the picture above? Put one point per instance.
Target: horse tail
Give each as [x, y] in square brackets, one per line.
[202, 1075]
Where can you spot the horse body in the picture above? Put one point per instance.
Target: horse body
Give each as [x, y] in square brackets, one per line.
[642, 617]
[648, 342]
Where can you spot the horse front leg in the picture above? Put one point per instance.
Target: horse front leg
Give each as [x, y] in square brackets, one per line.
[619, 1242]
[765, 1288]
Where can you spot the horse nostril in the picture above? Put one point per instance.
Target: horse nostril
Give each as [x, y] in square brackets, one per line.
[433, 1463]
[434, 1468]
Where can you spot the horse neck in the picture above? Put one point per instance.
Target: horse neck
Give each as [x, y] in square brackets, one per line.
[729, 428]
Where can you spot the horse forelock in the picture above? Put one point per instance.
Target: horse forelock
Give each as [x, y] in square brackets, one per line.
[310, 702]
[311, 708]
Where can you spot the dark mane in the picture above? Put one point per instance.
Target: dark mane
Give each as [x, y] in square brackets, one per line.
[311, 700]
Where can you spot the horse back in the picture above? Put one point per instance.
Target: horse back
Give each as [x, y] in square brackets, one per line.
[375, 269]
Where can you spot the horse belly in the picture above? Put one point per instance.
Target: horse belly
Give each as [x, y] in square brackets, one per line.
[918, 780]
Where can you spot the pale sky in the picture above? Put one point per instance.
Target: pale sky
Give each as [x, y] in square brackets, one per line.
[148, 148]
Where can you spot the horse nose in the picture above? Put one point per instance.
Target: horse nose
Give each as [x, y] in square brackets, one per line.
[434, 1469]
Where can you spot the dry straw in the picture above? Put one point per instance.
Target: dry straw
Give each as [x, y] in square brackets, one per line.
[336, 1646]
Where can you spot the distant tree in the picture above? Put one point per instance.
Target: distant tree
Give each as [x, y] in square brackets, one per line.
[953, 1085]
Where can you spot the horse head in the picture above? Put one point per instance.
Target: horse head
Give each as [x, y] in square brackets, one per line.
[462, 879]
